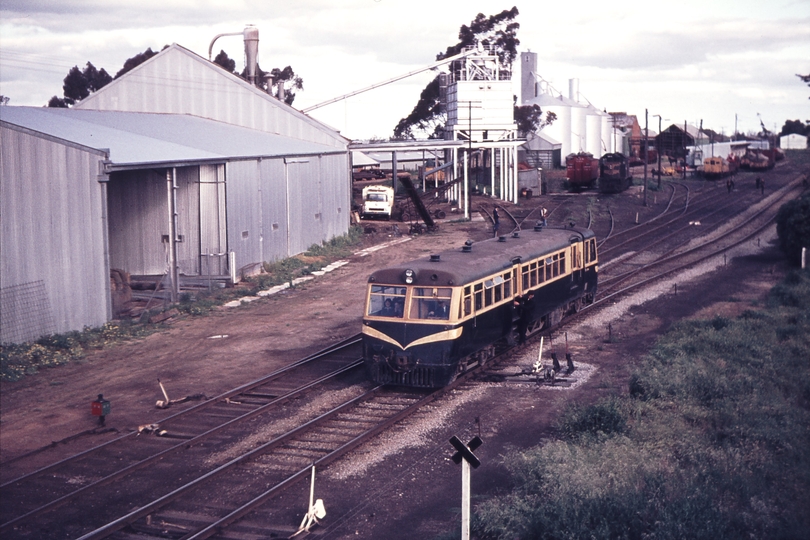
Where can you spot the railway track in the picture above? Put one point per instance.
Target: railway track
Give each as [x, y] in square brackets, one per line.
[686, 252]
[74, 495]
[212, 502]
[221, 492]
[46, 498]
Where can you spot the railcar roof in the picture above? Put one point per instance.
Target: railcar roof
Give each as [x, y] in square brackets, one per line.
[456, 267]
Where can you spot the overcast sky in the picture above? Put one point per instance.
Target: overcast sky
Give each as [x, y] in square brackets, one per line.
[687, 60]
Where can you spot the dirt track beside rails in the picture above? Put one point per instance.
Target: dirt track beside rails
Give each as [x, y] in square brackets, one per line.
[413, 490]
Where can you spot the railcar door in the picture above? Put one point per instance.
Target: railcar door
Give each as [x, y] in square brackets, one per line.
[576, 261]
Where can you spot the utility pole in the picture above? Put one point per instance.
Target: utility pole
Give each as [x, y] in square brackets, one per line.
[684, 149]
[658, 141]
[734, 138]
[646, 134]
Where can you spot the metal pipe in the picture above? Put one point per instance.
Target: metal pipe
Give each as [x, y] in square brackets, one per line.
[211, 46]
[389, 81]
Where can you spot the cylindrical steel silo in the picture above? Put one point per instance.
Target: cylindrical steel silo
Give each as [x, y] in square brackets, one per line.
[578, 128]
[593, 127]
[609, 145]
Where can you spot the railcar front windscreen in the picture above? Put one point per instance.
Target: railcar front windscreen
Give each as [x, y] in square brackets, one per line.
[386, 301]
[430, 303]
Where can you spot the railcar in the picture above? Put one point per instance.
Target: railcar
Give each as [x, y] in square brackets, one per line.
[718, 167]
[430, 319]
[581, 170]
[614, 173]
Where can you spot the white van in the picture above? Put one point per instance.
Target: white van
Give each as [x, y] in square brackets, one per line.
[378, 202]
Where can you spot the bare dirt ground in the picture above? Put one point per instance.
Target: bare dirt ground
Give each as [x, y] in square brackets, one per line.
[403, 486]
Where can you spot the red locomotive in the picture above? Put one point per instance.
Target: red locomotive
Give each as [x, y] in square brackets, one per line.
[582, 170]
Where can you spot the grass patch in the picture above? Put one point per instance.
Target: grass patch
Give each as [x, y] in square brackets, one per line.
[312, 260]
[711, 441]
[17, 361]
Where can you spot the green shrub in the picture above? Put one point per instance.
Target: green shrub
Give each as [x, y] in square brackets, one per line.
[603, 418]
[793, 227]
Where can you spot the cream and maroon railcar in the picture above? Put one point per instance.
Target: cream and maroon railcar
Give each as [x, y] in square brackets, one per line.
[430, 319]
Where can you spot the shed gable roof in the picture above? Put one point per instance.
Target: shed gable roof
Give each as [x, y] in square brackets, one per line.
[179, 81]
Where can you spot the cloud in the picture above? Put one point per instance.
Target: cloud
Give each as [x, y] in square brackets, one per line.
[692, 44]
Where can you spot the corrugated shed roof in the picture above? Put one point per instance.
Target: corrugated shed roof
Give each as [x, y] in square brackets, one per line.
[147, 138]
[176, 85]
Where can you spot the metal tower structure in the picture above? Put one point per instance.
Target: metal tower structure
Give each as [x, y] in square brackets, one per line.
[480, 111]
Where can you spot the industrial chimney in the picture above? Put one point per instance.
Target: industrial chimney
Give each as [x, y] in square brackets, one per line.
[251, 34]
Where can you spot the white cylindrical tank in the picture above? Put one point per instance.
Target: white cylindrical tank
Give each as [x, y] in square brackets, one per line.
[609, 145]
[560, 130]
[578, 128]
[593, 140]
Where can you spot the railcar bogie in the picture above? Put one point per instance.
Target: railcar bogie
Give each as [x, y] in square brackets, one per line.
[429, 320]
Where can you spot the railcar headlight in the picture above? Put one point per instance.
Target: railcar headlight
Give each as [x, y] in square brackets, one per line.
[409, 275]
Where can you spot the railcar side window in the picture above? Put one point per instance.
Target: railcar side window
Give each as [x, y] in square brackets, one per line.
[386, 301]
[590, 251]
[562, 263]
[498, 288]
[467, 300]
[524, 271]
[541, 271]
[533, 273]
[549, 264]
[507, 284]
[488, 285]
[430, 303]
[479, 295]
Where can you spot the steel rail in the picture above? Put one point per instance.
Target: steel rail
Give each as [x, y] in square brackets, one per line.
[637, 225]
[658, 240]
[670, 222]
[209, 402]
[669, 256]
[240, 512]
[121, 473]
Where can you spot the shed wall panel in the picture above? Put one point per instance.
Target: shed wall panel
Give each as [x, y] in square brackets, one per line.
[274, 208]
[306, 204]
[213, 238]
[53, 236]
[337, 195]
[243, 198]
[188, 220]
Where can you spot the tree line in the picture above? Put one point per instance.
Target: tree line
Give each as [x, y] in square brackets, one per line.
[80, 83]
